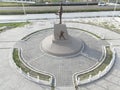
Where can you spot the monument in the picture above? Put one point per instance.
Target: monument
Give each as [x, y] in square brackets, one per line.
[60, 43]
[62, 55]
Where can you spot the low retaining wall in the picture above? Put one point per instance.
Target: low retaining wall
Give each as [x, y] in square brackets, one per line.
[50, 82]
[91, 78]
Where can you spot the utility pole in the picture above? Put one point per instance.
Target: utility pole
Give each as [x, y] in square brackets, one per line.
[115, 7]
[23, 8]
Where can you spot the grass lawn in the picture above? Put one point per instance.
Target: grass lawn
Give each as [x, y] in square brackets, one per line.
[7, 26]
[11, 4]
[99, 68]
[25, 69]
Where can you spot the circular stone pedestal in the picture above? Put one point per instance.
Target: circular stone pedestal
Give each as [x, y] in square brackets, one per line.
[67, 47]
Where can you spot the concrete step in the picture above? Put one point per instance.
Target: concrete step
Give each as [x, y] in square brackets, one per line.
[65, 88]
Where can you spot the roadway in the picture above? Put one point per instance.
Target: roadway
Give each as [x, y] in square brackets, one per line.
[13, 18]
[66, 8]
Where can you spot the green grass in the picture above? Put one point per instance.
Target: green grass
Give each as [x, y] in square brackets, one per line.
[11, 12]
[99, 68]
[59, 0]
[12, 25]
[11, 4]
[14, 12]
[25, 69]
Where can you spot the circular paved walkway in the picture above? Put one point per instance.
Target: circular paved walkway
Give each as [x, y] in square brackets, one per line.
[63, 68]
[12, 80]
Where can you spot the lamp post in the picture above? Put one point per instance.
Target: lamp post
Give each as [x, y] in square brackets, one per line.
[115, 7]
[24, 11]
[23, 8]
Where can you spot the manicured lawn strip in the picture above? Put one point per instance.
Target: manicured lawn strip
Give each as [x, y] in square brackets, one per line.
[11, 12]
[68, 0]
[94, 72]
[13, 25]
[25, 69]
[11, 4]
[7, 26]
[14, 12]
[20, 12]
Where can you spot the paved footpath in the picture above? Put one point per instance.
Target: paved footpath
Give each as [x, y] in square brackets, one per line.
[12, 80]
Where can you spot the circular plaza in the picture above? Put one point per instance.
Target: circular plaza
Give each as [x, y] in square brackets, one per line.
[22, 37]
[62, 68]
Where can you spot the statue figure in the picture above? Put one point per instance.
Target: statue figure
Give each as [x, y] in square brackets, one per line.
[61, 35]
[60, 13]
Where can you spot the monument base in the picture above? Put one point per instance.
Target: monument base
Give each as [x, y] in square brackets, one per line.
[61, 48]
[60, 32]
[60, 43]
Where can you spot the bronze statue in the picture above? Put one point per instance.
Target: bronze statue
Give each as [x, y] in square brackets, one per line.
[60, 13]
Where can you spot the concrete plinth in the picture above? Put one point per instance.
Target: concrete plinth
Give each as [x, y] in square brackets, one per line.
[60, 43]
